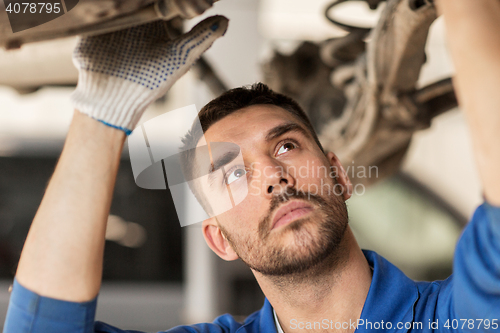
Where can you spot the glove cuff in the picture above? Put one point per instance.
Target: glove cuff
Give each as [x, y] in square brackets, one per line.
[110, 99]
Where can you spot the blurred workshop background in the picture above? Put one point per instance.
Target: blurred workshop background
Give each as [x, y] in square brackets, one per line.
[157, 274]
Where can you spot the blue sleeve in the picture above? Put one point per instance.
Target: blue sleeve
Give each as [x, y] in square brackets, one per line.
[476, 289]
[31, 313]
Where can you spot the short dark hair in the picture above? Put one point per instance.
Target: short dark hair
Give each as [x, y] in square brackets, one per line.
[228, 103]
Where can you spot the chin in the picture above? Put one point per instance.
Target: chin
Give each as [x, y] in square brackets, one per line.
[299, 233]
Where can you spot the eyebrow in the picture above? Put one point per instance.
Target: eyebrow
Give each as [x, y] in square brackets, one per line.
[219, 163]
[222, 160]
[279, 130]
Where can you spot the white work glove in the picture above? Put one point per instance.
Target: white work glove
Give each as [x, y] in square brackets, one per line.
[123, 72]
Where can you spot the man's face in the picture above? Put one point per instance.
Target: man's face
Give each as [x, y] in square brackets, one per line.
[294, 215]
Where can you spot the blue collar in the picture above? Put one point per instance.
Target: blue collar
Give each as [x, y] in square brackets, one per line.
[391, 298]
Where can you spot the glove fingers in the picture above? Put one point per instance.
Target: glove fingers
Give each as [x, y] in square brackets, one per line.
[191, 45]
[123, 72]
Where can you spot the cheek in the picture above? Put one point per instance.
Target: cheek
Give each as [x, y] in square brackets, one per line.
[243, 218]
[313, 173]
[255, 181]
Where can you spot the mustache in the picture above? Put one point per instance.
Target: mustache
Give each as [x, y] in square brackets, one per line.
[277, 200]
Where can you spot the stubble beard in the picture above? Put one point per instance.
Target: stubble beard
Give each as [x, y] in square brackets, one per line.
[314, 240]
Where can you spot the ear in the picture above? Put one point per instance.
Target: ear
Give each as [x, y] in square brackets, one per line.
[216, 240]
[341, 176]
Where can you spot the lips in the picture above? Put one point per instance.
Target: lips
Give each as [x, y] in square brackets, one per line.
[290, 212]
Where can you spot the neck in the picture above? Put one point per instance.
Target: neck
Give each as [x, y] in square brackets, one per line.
[332, 291]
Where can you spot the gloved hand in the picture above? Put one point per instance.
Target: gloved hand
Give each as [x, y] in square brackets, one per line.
[123, 72]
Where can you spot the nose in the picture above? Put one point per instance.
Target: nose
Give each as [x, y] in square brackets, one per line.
[276, 179]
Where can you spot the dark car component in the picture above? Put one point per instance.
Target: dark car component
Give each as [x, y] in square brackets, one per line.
[362, 97]
[100, 16]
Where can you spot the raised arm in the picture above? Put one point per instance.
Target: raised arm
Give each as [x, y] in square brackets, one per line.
[62, 256]
[120, 75]
[473, 30]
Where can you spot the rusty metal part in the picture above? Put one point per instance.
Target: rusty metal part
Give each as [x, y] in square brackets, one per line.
[41, 60]
[306, 78]
[380, 108]
[185, 8]
[374, 3]
[435, 99]
[100, 16]
[382, 113]
[337, 51]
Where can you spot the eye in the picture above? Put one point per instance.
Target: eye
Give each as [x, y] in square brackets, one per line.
[235, 175]
[286, 147]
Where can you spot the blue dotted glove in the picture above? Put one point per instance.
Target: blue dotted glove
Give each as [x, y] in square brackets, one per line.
[123, 72]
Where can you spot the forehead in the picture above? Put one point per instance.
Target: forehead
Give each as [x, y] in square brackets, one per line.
[253, 122]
